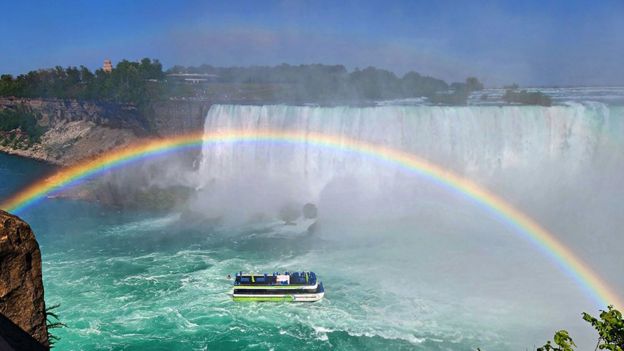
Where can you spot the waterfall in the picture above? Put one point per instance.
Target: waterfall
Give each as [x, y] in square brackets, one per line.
[508, 148]
[470, 140]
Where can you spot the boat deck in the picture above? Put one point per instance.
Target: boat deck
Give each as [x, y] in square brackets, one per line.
[297, 286]
[276, 279]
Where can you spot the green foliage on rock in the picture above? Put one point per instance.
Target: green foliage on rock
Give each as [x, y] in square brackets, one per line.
[53, 322]
[19, 127]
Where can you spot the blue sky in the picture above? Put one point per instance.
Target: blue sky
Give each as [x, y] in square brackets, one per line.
[529, 42]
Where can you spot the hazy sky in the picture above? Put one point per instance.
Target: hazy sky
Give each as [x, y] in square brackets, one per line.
[532, 42]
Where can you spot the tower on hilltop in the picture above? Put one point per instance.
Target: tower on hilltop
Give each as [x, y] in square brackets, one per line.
[108, 66]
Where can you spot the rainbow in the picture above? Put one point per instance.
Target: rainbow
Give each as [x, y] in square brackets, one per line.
[528, 228]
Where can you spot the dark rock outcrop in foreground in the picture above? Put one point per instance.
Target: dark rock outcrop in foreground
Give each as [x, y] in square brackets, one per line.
[21, 286]
[13, 338]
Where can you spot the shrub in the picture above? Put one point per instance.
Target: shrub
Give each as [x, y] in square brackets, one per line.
[23, 121]
[527, 98]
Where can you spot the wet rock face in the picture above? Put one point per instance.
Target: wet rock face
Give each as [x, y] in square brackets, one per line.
[310, 211]
[178, 117]
[21, 287]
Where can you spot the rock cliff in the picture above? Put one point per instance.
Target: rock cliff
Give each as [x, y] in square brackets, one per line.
[54, 111]
[21, 286]
[81, 129]
[173, 117]
[77, 129]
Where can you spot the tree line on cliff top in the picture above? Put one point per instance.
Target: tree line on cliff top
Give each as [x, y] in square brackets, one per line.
[127, 83]
[334, 83]
[145, 81]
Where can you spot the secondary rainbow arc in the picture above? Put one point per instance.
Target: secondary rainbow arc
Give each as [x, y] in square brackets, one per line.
[590, 281]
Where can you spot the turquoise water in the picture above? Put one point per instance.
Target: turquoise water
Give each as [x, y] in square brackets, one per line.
[157, 281]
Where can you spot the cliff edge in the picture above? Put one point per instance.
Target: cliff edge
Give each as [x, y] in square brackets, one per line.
[74, 130]
[21, 286]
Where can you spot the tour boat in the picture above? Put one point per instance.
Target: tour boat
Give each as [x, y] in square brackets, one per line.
[291, 287]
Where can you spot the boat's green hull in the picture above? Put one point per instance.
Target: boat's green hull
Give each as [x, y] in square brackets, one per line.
[285, 298]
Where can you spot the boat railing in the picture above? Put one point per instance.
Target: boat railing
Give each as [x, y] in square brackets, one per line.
[295, 278]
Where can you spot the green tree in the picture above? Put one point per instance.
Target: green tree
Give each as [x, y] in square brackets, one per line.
[610, 328]
[374, 84]
[473, 84]
[527, 98]
[129, 82]
[8, 85]
[563, 341]
[415, 85]
[20, 120]
[53, 322]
